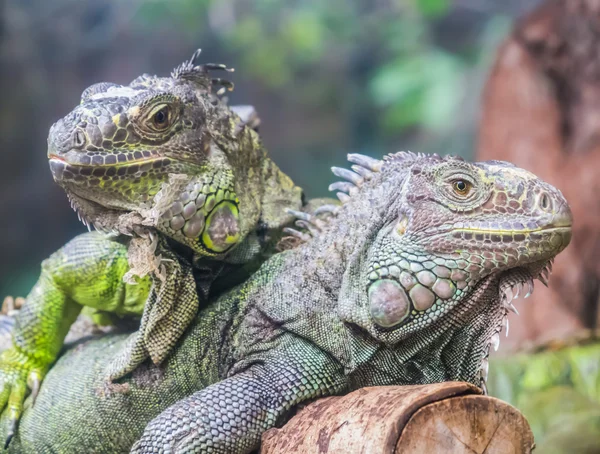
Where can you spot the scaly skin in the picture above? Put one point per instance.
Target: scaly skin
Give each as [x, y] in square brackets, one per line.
[407, 284]
[186, 183]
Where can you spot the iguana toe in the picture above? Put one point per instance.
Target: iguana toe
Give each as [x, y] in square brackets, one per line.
[34, 381]
[18, 372]
[11, 305]
[12, 426]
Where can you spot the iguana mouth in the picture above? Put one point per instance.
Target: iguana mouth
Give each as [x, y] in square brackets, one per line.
[62, 169]
[558, 225]
[121, 187]
[549, 228]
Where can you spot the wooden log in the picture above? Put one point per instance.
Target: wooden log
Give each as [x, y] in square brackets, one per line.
[444, 417]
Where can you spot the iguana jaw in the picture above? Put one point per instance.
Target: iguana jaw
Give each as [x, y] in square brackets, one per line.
[114, 186]
[418, 274]
[418, 287]
[201, 211]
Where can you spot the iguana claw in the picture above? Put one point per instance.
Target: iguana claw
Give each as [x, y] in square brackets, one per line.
[17, 372]
[12, 428]
[34, 381]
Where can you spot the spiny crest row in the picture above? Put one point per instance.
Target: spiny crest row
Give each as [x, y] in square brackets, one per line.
[189, 70]
[363, 169]
[366, 166]
[410, 156]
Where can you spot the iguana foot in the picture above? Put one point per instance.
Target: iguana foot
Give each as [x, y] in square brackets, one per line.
[10, 308]
[18, 372]
[10, 305]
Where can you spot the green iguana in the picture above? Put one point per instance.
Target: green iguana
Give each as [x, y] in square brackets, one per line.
[185, 183]
[409, 283]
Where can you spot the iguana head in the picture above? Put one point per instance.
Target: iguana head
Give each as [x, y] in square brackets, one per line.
[167, 146]
[439, 245]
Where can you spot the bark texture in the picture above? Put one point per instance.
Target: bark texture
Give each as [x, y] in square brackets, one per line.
[443, 417]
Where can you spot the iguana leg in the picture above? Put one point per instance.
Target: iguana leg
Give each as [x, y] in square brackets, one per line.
[230, 416]
[168, 311]
[87, 271]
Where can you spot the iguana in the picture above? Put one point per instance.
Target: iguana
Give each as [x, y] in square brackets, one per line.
[409, 283]
[187, 187]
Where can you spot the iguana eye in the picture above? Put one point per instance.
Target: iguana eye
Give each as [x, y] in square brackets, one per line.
[160, 118]
[462, 187]
[157, 118]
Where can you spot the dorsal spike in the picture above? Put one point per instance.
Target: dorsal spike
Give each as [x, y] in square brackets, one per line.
[195, 56]
[348, 175]
[188, 69]
[333, 209]
[365, 173]
[372, 164]
[344, 198]
[343, 186]
[299, 214]
[401, 156]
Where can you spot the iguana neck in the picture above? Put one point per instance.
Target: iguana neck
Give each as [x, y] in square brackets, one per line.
[262, 187]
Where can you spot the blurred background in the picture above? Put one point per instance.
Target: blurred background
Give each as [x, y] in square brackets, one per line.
[517, 80]
[327, 77]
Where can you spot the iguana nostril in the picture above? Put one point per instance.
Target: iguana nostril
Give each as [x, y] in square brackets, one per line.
[78, 139]
[544, 202]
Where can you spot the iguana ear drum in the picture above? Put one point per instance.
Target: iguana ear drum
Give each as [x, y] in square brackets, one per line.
[389, 303]
[222, 227]
[205, 218]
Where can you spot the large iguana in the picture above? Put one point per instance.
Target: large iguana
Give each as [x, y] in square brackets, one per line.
[409, 283]
[187, 186]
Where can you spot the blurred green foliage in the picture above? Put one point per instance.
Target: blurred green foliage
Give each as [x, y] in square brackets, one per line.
[558, 391]
[386, 52]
